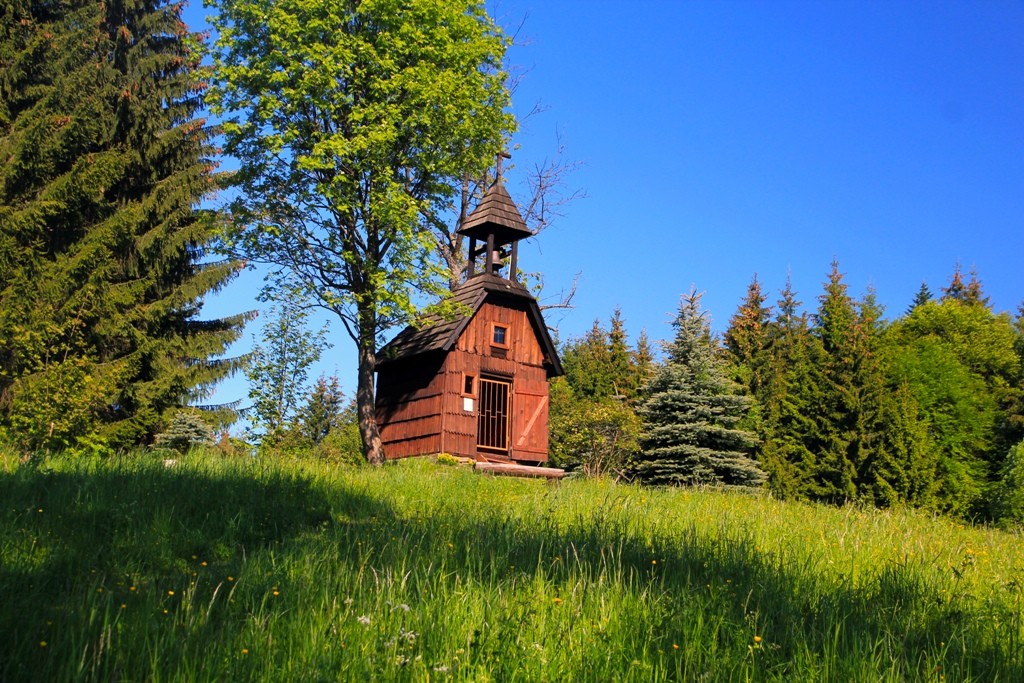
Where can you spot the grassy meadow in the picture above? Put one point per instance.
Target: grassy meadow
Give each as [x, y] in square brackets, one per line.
[215, 569]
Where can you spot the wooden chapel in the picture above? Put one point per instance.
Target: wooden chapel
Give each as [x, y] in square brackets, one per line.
[475, 386]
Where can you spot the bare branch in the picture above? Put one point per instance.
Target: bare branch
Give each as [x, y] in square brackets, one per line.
[564, 298]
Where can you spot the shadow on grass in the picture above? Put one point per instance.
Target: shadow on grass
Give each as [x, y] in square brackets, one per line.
[71, 533]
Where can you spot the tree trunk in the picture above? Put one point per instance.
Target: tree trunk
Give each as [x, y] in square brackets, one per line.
[373, 449]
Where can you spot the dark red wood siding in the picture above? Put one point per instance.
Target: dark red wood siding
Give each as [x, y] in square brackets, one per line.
[408, 396]
[421, 401]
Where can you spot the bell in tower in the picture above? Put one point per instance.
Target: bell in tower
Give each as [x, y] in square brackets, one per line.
[494, 230]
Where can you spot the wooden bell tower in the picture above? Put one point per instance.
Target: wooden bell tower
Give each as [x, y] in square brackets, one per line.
[494, 230]
[475, 385]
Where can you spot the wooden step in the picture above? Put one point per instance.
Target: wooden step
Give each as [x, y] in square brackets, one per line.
[513, 470]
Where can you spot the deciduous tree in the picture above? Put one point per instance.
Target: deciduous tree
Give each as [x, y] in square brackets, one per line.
[278, 367]
[959, 362]
[354, 124]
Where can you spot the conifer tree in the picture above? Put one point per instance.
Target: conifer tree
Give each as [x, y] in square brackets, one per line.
[910, 473]
[956, 290]
[790, 426]
[851, 392]
[746, 339]
[620, 361]
[600, 365]
[880, 474]
[973, 294]
[691, 411]
[104, 252]
[642, 362]
[923, 296]
[834, 327]
[323, 411]
[1015, 403]
[586, 364]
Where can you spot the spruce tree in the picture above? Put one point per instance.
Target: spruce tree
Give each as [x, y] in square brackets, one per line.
[600, 365]
[642, 361]
[691, 411]
[746, 339]
[851, 392]
[790, 426]
[586, 364]
[923, 296]
[1015, 403]
[956, 290]
[103, 248]
[620, 359]
[880, 474]
[910, 473]
[973, 294]
[324, 409]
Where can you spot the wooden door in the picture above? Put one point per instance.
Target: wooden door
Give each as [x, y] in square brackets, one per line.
[493, 416]
[530, 421]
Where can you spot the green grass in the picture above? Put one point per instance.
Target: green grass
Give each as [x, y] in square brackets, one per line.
[249, 570]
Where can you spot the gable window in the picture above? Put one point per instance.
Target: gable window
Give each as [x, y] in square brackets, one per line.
[499, 334]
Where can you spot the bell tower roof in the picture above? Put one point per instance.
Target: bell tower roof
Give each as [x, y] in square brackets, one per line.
[496, 214]
[494, 229]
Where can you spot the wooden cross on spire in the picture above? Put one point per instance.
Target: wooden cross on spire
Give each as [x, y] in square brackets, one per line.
[501, 156]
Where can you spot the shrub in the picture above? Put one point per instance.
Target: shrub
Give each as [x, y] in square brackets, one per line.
[1008, 498]
[187, 429]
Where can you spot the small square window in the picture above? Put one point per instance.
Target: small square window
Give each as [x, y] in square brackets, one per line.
[468, 388]
[499, 335]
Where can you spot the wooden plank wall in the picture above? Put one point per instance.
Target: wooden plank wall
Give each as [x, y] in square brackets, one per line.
[523, 346]
[458, 425]
[420, 403]
[408, 400]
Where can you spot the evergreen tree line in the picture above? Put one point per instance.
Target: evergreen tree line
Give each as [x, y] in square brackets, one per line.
[833, 405]
[104, 253]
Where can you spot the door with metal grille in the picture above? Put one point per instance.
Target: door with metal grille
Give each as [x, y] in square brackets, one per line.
[493, 422]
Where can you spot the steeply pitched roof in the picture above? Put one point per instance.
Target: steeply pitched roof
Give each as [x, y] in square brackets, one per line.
[441, 335]
[499, 212]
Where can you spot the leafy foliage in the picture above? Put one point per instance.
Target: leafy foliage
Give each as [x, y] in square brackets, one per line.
[278, 367]
[1008, 501]
[595, 437]
[352, 122]
[594, 428]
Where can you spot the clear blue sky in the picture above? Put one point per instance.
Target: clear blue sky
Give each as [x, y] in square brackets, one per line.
[722, 139]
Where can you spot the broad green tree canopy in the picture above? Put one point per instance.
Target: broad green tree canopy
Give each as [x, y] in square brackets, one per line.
[353, 123]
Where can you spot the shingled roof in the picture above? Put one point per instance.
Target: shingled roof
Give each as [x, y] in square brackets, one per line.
[498, 213]
[440, 334]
